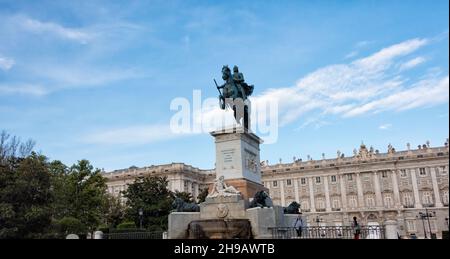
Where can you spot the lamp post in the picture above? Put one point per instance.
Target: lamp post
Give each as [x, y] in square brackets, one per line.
[427, 216]
[141, 213]
[446, 221]
[422, 217]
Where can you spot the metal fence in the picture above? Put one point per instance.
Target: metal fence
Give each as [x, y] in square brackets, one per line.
[134, 235]
[327, 232]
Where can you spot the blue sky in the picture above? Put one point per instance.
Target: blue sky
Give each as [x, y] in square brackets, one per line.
[94, 79]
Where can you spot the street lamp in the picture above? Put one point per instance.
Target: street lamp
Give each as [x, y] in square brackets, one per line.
[446, 221]
[141, 213]
[422, 217]
[427, 216]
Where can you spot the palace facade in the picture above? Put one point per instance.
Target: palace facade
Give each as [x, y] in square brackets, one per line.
[409, 187]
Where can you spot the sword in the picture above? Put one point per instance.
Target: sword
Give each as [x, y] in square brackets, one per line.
[217, 87]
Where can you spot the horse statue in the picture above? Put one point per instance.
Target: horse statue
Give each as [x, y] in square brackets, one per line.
[261, 199]
[293, 208]
[179, 205]
[235, 94]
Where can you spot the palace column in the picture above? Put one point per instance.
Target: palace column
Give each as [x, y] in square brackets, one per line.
[283, 202]
[311, 194]
[395, 188]
[343, 192]
[297, 197]
[417, 203]
[196, 191]
[360, 191]
[437, 196]
[376, 182]
[327, 193]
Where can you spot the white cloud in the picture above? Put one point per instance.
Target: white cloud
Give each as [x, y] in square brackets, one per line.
[23, 89]
[385, 126]
[412, 63]
[367, 85]
[6, 63]
[37, 26]
[352, 54]
[134, 135]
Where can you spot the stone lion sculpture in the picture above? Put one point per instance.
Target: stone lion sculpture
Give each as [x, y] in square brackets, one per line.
[179, 205]
[261, 199]
[293, 208]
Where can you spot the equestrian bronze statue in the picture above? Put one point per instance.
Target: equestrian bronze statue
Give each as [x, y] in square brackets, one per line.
[234, 95]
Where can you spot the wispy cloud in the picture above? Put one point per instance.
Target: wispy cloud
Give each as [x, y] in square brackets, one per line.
[142, 134]
[40, 27]
[367, 85]
[6, 63]
[412, 63]
[22, 89]
[385, 126]
[352, 54]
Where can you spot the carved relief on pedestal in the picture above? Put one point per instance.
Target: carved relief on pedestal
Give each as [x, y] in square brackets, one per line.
[222, 211]
[250, 161]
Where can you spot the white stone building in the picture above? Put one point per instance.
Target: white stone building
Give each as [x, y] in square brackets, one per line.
[372, 186]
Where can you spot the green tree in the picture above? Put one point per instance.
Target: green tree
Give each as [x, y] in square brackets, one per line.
[150, 194]
[80, 193]
[88, 189]
[114, 211]
[25, 197]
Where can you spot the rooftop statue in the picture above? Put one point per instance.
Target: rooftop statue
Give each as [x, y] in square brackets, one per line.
[234, 94]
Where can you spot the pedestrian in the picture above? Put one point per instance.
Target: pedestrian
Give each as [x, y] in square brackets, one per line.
[299, 224]
[356, 228]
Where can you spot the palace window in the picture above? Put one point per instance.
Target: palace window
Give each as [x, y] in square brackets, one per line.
[288, 182]
[317, 179]
[427, 198]
[275, 183]
[303, 181]
[422, 171]
[352, 201]
[305, 205]
[320, 203]
[411, 225]
[336, 204]
[407, 199]
[370, 201]
[443, 170]
[333, 178]
[403, 173]
[350, 177]
[388, 201]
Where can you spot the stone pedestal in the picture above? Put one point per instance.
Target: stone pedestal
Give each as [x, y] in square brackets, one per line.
[238, 160]
[178, 223]
[263, 219]
[231, 207]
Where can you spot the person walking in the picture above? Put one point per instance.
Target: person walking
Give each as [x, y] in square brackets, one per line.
[299, 224]
[356, 228]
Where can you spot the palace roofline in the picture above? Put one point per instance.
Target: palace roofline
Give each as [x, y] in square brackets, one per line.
[363, 155]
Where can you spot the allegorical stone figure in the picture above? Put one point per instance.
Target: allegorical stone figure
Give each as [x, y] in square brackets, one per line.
[220, 188]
